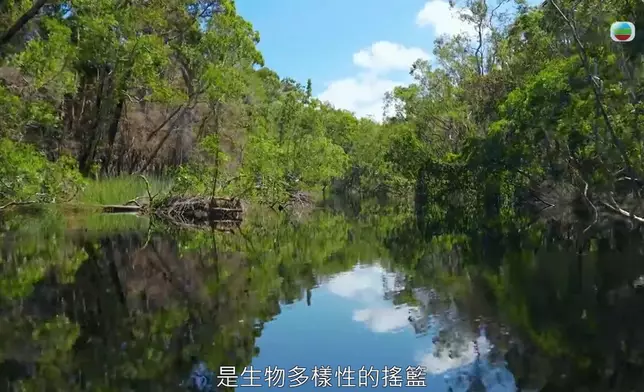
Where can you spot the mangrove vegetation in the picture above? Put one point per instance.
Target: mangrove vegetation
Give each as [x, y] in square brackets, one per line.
[504, 183]
[538, 109]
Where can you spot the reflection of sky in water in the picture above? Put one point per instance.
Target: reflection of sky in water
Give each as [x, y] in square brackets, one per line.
[350, 323]
[366, 285]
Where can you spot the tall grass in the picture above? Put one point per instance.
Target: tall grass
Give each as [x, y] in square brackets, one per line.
[119, 190]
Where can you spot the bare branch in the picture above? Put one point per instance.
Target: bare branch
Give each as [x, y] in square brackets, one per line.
[585, 195]
[21, 22]
[616, 208]
[147, 186]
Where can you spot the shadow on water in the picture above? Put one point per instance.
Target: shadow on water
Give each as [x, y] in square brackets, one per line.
[127, 309]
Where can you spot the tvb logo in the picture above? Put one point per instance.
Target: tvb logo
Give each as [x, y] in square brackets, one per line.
[622, 31]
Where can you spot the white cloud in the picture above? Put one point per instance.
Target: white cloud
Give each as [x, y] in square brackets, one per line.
[383, 319]
[364, 93]
[385, 56]
[443, 19]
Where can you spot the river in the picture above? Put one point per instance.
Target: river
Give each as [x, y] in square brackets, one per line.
[327, 300]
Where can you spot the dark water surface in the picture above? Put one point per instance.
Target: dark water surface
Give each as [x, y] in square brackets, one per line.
[326, 301]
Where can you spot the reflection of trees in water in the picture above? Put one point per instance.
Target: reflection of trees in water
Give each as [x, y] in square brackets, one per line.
[120, 314]
[468, 346]
[576, 309]
[464, 347]
[575, 305]
[140, 313]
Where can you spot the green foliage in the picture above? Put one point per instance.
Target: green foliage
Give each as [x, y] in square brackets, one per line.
[133, 87]
[40, 247]
[46, 60]
[547, 102]
[109, 89]
[25, 175]
[19, 114]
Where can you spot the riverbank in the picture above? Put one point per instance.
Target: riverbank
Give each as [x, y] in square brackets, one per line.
[521, 311]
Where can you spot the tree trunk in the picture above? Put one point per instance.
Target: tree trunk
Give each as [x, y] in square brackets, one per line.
[21, 22]
[111, 134]
[88, 152]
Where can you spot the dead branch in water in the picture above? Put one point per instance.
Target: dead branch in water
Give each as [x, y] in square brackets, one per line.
[185, 212]
[198, 211]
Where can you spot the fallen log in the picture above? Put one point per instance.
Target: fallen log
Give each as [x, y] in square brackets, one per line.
[199, 211]
[111, 209]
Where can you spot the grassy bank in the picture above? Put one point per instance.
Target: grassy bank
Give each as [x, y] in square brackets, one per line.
[119, 190]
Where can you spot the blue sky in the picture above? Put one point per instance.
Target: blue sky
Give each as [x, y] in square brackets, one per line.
[353, 50]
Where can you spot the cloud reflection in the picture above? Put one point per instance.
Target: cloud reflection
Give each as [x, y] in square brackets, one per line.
[363, 283]
[383, 319]
[368, 284]
[447, 360]
[452, 350]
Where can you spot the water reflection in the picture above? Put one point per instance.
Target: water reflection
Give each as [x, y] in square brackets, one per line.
[368, 285]
[131, 309]
[366, 328]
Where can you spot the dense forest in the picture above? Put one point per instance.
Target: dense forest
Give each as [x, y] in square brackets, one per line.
[539, 108]
[535, 115]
